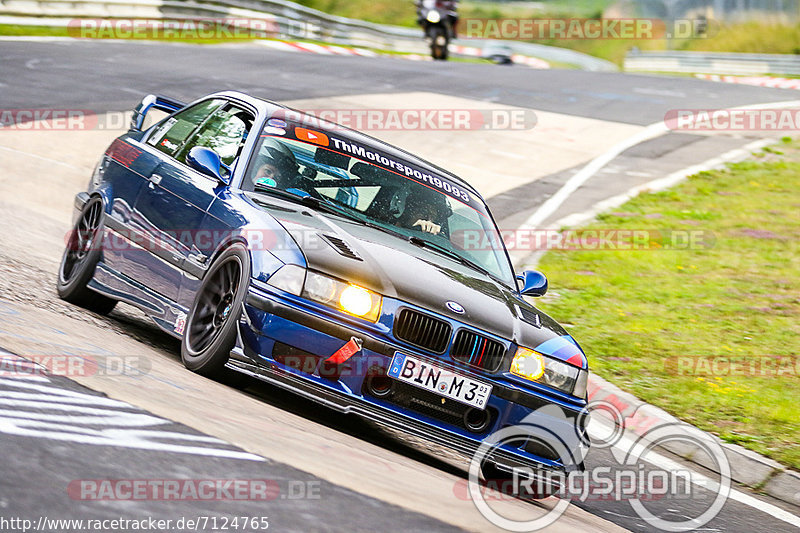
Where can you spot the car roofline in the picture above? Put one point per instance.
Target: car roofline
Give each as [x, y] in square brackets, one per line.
[269, 107]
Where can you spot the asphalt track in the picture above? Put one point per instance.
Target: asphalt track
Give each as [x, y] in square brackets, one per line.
[111, 77]
[37, 474]
[103, 76]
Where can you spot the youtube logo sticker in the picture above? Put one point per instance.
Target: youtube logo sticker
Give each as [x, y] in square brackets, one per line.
[311, 136]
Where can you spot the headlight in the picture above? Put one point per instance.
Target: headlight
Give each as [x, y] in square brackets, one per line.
[289, 278]
[434, 16]
[347, 297]
[356, 300]
[549, 371]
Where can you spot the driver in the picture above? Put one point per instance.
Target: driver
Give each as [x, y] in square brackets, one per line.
[423, 214]
[275, 166]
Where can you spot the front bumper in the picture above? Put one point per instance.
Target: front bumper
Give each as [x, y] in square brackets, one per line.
[284, 340]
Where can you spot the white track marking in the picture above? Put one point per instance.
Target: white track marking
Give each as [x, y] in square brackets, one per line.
[660, 184]
[33, 38]
[554, 202]
[665, 463]
[653, 130]
[49, 411]
[35, 156]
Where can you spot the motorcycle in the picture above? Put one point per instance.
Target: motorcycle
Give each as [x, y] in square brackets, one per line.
[438, 19]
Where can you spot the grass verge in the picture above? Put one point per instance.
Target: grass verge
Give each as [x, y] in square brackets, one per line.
[749, 37]
[656, 321]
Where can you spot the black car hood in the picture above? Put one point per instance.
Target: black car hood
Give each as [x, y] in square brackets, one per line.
[396, 268]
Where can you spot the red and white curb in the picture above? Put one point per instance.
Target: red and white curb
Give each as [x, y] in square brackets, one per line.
[473, 51]
[760, 81]
[638, 418]
[324, 49]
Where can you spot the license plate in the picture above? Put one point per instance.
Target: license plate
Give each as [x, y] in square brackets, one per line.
[439, 380]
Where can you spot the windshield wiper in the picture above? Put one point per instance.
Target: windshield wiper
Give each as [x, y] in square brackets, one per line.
[329, 206]
[423, 243]
[271, 191]
[321, 204]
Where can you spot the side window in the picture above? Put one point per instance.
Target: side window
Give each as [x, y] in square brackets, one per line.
[225, 132]
[170, 136]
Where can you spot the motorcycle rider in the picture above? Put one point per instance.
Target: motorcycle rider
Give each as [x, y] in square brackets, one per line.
[450, 7]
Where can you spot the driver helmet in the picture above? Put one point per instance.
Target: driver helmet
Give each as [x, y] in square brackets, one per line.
[275, 165]
[426, 206]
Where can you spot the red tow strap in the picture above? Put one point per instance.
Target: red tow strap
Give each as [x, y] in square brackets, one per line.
[351, 347]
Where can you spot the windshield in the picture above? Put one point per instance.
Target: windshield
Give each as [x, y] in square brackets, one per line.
[378, 189]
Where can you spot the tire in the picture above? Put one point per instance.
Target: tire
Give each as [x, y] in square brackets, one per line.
[211, 325]
[438, 38]
[80, 258]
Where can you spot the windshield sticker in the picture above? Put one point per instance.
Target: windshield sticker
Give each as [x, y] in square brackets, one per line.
[266, 182]
[446, 187]
[433, 181]
[169, 145]
[159, 133]
[272, 130]
[311, 136]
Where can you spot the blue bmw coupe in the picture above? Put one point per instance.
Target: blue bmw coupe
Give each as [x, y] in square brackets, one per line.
[333, 265]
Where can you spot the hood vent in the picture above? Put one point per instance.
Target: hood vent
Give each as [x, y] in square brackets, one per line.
[341, 246]
[530, 317]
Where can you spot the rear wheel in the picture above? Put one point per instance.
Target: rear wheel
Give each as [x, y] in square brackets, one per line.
[80, 258]
[211, 325]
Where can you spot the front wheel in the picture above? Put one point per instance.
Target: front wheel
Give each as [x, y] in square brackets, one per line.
[211, 325]
[80, 258]
[439, 41]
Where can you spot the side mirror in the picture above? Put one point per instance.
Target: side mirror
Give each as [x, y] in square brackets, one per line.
[206, 161]
[534, 283]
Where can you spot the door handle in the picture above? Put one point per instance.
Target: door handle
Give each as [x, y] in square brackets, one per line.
[198, 258]
[155, 179]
